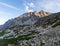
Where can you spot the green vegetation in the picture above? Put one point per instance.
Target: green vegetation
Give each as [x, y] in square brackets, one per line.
[2, 33]
[14, 26]
[2, 42]
[27, 36]
[56, 24]
[50, 22]
[5, 42]
[42, 44]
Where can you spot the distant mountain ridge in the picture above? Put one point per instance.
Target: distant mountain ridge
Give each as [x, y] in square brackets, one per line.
[26, 18]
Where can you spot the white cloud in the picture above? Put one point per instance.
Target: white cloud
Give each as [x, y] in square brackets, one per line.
[27, 9]
[30, 10]
[31, 4]
[50, 5]
[7, 5]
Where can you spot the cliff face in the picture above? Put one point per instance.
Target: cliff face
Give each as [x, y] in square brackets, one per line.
[41, 13]
[32, 29]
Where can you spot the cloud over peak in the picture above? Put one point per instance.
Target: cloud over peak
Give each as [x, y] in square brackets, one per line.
[31, 4]
[28, 7]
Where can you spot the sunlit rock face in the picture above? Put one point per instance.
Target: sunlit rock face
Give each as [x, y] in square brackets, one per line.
[41, 13]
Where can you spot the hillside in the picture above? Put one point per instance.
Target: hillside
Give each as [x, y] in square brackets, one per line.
[32, 29]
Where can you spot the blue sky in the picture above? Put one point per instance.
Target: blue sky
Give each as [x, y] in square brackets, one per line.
[13, 8]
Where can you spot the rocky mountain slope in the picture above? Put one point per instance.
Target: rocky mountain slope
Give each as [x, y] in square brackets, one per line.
[32, 29]
[26, 19]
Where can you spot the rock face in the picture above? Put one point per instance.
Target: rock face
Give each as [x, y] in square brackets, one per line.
[32, 29]
[41, 13]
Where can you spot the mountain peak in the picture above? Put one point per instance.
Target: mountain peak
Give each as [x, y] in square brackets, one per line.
[42, 13]
[27, 18]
